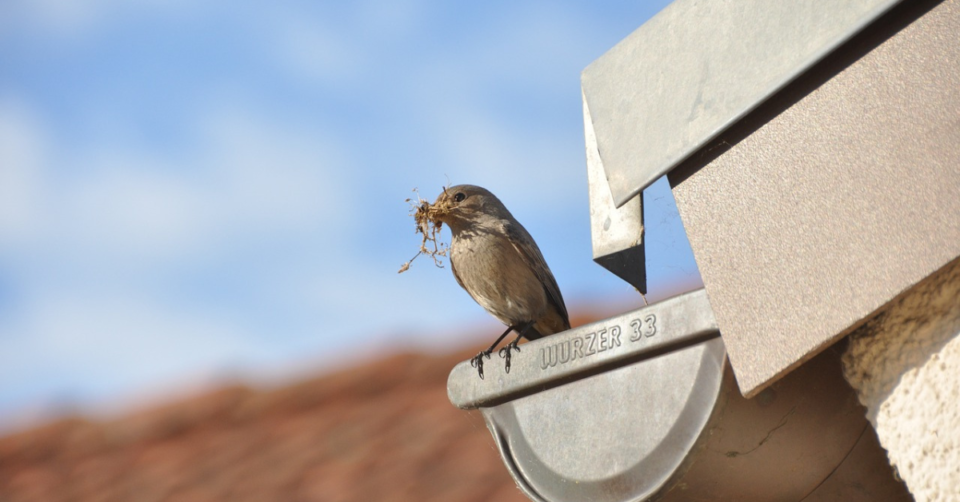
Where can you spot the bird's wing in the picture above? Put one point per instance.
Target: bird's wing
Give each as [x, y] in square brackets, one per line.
[525, 245]
[453, 268]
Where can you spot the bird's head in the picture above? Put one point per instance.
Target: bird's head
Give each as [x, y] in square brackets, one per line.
[463, 205]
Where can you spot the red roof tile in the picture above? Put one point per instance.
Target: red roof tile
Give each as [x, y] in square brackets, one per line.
[380, 431]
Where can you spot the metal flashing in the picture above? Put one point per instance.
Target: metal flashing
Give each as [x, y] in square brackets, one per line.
[696, 68]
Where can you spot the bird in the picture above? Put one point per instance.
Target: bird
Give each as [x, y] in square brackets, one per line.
[498, 263]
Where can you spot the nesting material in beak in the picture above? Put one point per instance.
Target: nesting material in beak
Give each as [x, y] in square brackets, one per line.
[428, 220]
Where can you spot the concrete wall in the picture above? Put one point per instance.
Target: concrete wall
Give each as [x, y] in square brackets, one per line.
[905, 367]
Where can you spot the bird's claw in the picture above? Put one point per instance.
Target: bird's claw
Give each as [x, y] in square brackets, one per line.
[477, 362]
[505, 353]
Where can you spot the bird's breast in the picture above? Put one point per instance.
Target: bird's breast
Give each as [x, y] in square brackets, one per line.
[497, 276]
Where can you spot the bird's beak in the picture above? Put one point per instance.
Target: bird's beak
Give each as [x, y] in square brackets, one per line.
[440, 209]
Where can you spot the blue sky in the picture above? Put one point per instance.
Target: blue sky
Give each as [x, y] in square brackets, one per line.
[202, 190]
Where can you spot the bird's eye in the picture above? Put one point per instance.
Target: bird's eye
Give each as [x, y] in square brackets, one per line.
[459, 197]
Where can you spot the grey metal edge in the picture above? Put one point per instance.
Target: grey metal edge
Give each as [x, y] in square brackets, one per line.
[585, 350]
[696, 68]
[616, 232]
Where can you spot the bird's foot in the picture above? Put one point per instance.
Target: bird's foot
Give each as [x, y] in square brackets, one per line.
[506, 350]
[477, 361]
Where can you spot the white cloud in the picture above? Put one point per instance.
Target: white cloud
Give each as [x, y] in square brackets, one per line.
[23, 171]
[74, 19]
[268, 174]
[254, 178]
[335, 46]
[124, 209]
[390, 19]
[99, 343]
[316, 50]
[52, 16]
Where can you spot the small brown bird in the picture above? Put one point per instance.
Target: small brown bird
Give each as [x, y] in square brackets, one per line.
[497, 262]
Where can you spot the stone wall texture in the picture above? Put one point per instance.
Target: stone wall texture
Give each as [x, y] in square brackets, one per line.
[905, 366]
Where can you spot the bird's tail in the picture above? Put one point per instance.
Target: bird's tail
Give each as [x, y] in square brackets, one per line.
[532, 334]
[554, 322]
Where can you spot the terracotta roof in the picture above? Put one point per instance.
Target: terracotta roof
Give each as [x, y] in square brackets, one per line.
[381, 431]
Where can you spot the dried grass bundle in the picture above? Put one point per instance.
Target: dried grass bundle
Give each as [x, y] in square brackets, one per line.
[428, 224]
